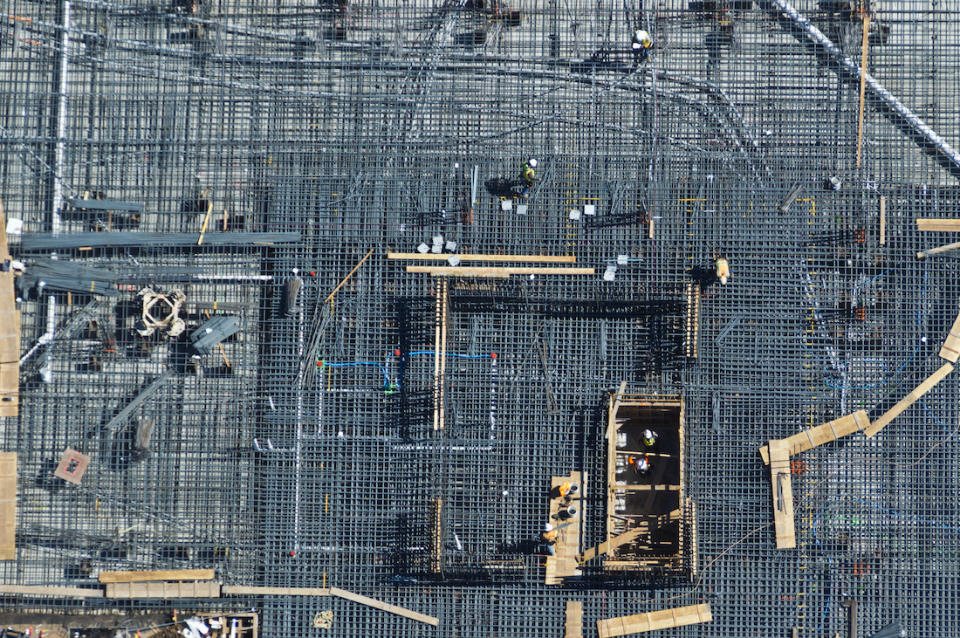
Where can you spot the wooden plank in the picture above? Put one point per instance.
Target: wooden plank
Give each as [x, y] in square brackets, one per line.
[545, 259]
[52, 591]
[611, 544]
[938, 225]
[379, 604]
[939, 249]
[782, 494]
[951, 346]
[164, 589]
[651, 621]
[206, 220]
[164, 574]
[908, 400]
[830, 431]
[573, 628]
[863, 81]
[244, 590]
[496, 271]
[9, 333]
[8, 505]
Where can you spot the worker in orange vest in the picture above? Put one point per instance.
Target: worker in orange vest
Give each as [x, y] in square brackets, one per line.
[640, 463]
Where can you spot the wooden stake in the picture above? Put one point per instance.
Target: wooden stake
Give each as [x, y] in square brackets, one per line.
[863, 81]
[206, 220]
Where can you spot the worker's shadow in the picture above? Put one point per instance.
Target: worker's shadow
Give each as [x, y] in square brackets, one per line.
[705, 277]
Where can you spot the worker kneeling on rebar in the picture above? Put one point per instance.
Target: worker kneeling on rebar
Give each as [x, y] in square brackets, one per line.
[641, 45]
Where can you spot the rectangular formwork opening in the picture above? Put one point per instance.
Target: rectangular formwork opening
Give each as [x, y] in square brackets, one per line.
[645, 486]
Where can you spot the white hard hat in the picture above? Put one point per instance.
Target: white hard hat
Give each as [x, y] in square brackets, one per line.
[641, 35]
[532, 162]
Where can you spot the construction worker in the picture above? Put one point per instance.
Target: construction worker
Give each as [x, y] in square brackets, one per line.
[549, 537]
[723, 270]
[641, 45]
[527, 172]
[640, 463]
[649, 438]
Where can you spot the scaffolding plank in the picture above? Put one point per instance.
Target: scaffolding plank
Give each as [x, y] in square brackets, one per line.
[938, 225]
[545, 259]
[48, 590]
[563, 563]
[908, 400]
[379, 604]
[650, 621]
[166, 574]
[830, 431]
[164, 589]
[246, 590]
[573, 628]
[951, 345]
[782, 494]
[8, 505]
[496, 271]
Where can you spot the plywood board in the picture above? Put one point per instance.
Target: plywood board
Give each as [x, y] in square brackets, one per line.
[168, 574]
[908, 400]
[205, 589]
[573, 628]
[831, 431]
[664, 619]
[379, 604]
[245, 590]
[8, 505]
[951, 346]
[782, 494]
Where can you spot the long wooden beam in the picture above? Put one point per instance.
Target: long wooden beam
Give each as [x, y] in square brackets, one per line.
[782, 494]
[9, 334]
[245, 590]
[938, 225]
[50, 591]
[653, 620]
[831, 431]
[908, 400]
[546, 259]
[496, 271]
[166, 574]
[382, 606]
